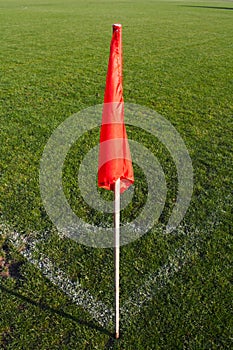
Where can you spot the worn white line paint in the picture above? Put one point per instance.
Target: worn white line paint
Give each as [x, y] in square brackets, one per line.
[97, 309]
[159, 279]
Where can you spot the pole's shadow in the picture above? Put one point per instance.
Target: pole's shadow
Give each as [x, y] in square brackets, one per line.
[61, 313]
[208, 7]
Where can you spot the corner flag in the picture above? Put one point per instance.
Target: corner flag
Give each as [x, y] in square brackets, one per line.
[115, 171]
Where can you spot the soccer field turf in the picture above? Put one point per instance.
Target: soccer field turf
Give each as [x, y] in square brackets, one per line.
[176, 289]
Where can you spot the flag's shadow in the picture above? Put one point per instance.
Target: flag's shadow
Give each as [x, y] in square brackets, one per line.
[59, 312]
[112, 342]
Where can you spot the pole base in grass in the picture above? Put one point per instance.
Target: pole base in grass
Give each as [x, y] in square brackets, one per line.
[117, 335]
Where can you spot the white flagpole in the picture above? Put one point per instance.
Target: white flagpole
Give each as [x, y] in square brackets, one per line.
[117, 254]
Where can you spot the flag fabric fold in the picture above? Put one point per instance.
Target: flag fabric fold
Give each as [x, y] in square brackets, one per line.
[114, 153]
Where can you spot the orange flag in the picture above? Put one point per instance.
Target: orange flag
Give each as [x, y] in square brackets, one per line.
[114, 154]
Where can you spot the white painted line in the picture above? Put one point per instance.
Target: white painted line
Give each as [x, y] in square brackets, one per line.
[97, 309]
[159, 279]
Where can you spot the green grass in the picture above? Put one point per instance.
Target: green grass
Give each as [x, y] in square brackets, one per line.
[178, 61]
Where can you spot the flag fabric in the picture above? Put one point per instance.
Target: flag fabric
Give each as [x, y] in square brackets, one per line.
[114, 153]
